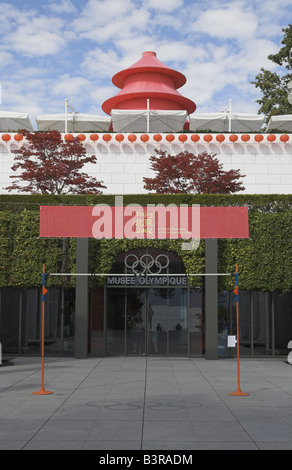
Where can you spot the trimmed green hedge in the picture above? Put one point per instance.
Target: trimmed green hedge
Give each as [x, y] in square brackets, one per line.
[265, 260]
[261, 202]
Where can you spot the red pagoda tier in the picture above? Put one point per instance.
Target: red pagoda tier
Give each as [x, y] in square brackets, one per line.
[149, 79]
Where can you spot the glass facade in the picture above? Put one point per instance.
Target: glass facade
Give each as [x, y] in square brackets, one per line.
[265, 323]
[160, 316]
[20, 325]
[152, 321]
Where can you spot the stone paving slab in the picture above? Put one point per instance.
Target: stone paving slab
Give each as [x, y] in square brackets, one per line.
[142, 404]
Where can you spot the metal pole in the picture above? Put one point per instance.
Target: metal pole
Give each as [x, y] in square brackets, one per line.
[148, 115]
[230, 111]
[140, 275]
[66, 116]
[44, 291]
[238, 392]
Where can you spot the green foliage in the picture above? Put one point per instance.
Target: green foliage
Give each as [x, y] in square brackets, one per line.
[254, 202]
[265, 260]
[274, 85]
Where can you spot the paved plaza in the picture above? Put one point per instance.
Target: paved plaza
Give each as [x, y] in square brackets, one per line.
[140, 403]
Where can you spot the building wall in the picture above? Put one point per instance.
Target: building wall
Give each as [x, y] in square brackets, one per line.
[121, 165]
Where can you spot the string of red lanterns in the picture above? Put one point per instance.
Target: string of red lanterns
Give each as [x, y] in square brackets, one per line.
[284, 138]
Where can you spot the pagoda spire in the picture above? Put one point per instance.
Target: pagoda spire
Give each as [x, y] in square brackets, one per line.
[149, 79]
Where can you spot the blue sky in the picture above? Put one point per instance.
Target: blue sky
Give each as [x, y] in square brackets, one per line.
[51, 50]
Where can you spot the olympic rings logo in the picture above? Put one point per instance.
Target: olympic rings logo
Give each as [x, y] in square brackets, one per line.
[146, 264]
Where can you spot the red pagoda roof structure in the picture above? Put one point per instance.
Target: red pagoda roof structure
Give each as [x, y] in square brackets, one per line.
[149, 79]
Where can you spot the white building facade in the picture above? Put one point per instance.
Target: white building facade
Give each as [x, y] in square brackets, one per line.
[123, 158]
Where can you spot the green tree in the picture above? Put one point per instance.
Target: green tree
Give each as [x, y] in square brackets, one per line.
[274, 85]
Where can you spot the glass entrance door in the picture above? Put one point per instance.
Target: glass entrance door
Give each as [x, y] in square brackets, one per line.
[136, 321]
[157, 321]
[146, 321]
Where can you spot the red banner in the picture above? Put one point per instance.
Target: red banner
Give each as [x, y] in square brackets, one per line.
[144, 222]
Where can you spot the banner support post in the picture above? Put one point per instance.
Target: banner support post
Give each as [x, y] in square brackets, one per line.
[42, 391]
[238, 392]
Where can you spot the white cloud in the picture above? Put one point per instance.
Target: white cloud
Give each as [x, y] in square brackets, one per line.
[56, 49]
[6, 58]
[180, 53]
[253, 55]
[37, 36]
[68, 86]
[100, 64]
[63, 6]
[24, 96]
[105, 21]
[102, 14]
[97, 97]
[204, 79]
[229, 22]
[166, 5]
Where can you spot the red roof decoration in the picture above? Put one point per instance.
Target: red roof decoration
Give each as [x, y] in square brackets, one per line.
[149, 79]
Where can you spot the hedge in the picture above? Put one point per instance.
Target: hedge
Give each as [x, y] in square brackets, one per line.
[265, 259]
[255, 202]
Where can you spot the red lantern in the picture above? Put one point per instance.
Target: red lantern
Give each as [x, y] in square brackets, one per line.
[81, 137]
[94, 137]
[157, 137]
[119, 137]
[208, 138]
[183, 138]
[69, 137]
[132, 138]
[170, 138]
[144, 138]
[245, 138]
[6, 137]
[195, 138]
[258, 138]
[233, 138]
[284, 138]
[220, 138]
[107, 137]
[271, 138]
[18, 137]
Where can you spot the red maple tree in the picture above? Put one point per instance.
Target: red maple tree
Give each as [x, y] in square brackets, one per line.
[50, 165]
[190, 173]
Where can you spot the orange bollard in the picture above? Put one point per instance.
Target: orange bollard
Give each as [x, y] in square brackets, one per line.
[42, 391]
[238, 392]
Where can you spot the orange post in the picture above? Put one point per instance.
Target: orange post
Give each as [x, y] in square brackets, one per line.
[42, 391]
[238, 392]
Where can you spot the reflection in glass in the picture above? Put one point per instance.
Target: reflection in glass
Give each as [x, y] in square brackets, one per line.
[226, 325]
[10, 312]
[136, 321]
[115, 332]
[196, 322]
[69, 322]
[53, 309]
[30, 332]
[262, 332]
[20, 321]
[178, 322]
[157, 321]
[283, 323]
[96, 314]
